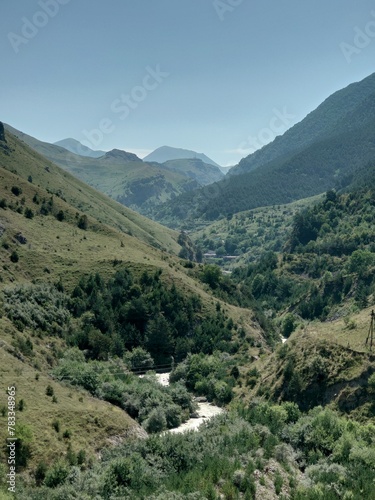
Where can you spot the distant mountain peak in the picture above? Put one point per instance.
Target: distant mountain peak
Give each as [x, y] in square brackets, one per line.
[119, 154]
[77, 148]
[166, 153]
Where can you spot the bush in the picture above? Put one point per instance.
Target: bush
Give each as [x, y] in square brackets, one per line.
[83, 222]
[57, 474]
[56, 425]
[40, 473]
[29, 214]
[60, 216]
[14, 257]
[156, 421]
[138, 358]
[49, 390]
[16, 190]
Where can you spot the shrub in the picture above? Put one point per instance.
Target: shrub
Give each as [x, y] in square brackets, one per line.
[57, 474]
[23, 444]
[156, 421]
[49, 390]
[60, 216]
[29, 214]
[83, 222]
[14, 257]
[40, 473]
[56, 425]
[16, 190]
[138, 358]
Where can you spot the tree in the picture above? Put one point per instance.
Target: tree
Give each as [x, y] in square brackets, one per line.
[159, 339]
[288, 325]
[211, 274]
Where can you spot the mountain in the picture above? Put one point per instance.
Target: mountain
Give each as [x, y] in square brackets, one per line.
[323, 122]
[77, 148]
[166, 153]
[119, 174]
[120, 156]
[27, 163]
[85, 302]
[328, 150]
[203, 173]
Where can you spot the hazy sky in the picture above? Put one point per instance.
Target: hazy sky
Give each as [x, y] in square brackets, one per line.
[221, 77]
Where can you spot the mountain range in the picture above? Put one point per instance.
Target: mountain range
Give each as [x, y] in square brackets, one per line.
[322, 152]
[125, 177]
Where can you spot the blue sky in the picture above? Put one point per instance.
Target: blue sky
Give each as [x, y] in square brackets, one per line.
[221, 77]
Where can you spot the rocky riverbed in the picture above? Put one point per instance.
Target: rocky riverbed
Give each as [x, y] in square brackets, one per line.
[205, 410]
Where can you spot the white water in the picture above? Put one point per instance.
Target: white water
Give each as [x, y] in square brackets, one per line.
[205, 410]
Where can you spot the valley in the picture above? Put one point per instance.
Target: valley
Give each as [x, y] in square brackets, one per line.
[257, 289]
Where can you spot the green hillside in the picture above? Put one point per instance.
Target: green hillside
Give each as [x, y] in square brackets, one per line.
[203, 173]
[311, 168]
[123, 176]
[89, 290]
[321, 123]
[24, 162]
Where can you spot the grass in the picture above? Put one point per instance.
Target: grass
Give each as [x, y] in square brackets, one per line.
[92, 423]
[24, 162]
[59, 250]
[117, 178]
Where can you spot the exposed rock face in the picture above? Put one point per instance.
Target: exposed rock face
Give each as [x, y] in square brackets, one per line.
[2, 133]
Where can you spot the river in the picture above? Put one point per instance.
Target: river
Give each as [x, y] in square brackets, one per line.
[205, 410]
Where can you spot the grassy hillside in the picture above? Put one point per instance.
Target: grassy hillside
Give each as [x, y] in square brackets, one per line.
[82, 301]
[320, 364]
[24, 163]
[123, 176]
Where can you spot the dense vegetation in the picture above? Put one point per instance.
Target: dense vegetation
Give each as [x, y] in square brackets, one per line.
[257, 449]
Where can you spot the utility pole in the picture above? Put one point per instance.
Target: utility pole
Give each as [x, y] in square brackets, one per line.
[370, 336]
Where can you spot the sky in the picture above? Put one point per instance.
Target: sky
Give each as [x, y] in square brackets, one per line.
[222, 77]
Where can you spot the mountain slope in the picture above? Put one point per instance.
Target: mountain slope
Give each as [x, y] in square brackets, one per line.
[119, 174]
[25, 163]
[166, 153]
[329, 162]
[317, 125]
[203, 173]
[77, 148]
